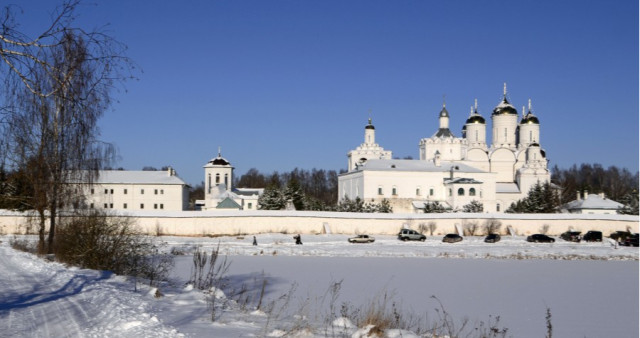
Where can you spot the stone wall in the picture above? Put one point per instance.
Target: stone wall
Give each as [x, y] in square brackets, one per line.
[199, 223]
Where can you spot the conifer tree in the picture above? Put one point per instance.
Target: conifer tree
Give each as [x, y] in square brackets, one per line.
[271, 199]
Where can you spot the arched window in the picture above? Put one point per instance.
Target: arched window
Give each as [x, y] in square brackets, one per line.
[226, 179]
[209, 184]
[472, 192]
[217, 178]
[461, 192]
[418, 191]
[498, 207]
[394, 191]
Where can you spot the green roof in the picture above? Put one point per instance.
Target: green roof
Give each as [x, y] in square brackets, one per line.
[228, 203]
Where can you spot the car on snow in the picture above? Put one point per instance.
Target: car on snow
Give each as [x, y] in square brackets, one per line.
[540, 238]
[631, 240]
[362, 239]
[592, 236]
[452, 238]
[492, 238]
[408, 234]
[571, 236]
[620, 236]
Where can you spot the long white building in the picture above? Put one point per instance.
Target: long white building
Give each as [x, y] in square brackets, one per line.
[453, 170]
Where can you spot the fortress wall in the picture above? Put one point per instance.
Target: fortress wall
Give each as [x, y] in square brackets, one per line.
[199, 223]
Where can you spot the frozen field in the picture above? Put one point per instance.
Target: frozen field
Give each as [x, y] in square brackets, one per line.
[591, 288]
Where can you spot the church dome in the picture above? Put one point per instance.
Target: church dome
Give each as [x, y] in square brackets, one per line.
[370, 126]
[504, 108]
[530, 119]
[476, 118]
[444, 112]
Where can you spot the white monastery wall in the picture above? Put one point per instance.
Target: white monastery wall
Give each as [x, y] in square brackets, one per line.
[199, 223]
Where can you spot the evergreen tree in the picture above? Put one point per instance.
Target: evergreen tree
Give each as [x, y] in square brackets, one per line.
[473, 206]
[293, 192]
[435, 208]
[542, 198]
[630, 202]
[271, 199]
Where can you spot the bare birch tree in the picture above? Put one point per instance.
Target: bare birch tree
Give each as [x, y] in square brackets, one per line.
[57, 86]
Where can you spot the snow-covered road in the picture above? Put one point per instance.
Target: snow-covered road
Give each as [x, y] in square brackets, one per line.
[46, 299]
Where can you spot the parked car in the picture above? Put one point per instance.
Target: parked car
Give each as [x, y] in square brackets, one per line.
[620, 236]
[492, 238]
[408, 234]
[571, 236]
[452, 238]
[592, 236]
[540, 238]
[362, 239]
[631, 240]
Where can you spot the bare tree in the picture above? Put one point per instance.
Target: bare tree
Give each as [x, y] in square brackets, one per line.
[492, 226]
[57, 86]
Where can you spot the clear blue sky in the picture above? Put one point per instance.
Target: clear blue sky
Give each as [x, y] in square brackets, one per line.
[285, 84]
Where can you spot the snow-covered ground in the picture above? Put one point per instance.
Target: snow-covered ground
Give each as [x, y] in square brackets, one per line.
[591, 288]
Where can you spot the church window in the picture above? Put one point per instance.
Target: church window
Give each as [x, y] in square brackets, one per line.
[141, 205]
[450, 193]
[155, 191]
[249, 206]
[92, 191]
[209, 184]
[431, 192]
[141, 193]
[394, 191]
[498, 207]
[124, 206]
[217, 178]
[111, 191]
[105, 205]
[106, 191]
[91, 205]
[125, 191]
[226, 180]
[111, 205]
[461, 192]
[379, 190]
[530, 135]
[472, 192]
[155, 206]
[161, 206]
[418, 191]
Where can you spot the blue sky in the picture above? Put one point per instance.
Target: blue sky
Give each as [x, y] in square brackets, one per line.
[285, 84]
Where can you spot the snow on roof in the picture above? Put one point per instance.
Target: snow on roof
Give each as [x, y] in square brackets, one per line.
[461, 180]
[593, 201]
[507, 187]
[417, 165]
[249, 191]
[137, 177]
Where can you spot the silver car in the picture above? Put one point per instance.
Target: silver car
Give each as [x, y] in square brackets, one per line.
[362, 239]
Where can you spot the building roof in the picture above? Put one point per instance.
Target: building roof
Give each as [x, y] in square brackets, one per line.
[137, 177]
[461, 180]
[228, 203]
[593, 201]
[504, 107]
[443, 132]
[507, 188]
[416, 165]
[530, 119]
[249, 191]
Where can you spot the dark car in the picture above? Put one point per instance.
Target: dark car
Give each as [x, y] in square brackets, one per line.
[620, 236]
[540, 238]
[592, 236]
[571, 236]
[631, 240]
[492, 238]
[408, 234]
[452, 238]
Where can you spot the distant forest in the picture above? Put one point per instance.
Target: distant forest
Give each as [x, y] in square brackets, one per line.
[322, 185]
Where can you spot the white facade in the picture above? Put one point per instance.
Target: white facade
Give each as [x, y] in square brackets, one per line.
[137, 190]
[456, 170]
[592, 204]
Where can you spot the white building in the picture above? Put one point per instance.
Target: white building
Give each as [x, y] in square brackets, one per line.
[219, 192]
[592, 204]
[137, 190]
[453, 170]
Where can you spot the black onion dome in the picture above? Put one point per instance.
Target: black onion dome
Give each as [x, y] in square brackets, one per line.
[476, 118]
[504, 108]
[444, 112]
[370, 126]
[219, 161]
[530, 119]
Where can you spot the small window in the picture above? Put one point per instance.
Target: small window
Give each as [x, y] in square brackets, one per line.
[431, 192]
[111, 191]
[141, 191]
[461, 192]
[125, 191]
[141, 205]
[161, 206]
[106, 205]
[155, 192]
[111, 205]
[124, 206]
[106, 191]
[91, 205]
[450, 193]
[498, 207]
[472, 192]
[161, 191]
[394, 191]
[249, 206]
[155, 206]
[417, 191]
[92, 191]
[379, 190]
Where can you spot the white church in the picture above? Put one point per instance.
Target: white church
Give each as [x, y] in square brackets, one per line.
[453, 171]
